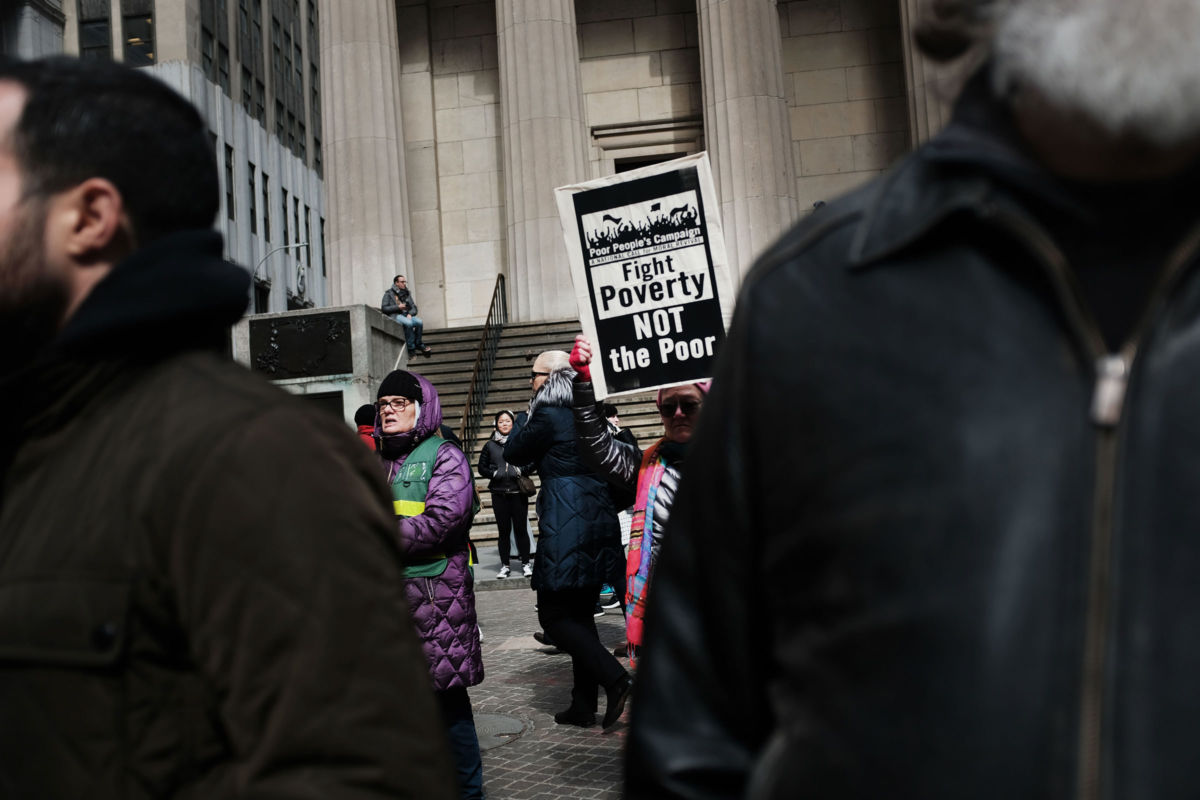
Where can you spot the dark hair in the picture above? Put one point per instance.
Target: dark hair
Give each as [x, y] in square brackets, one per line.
[609, 410]
[396, 278]
[101, 119]
[504, 412]
[365, 415]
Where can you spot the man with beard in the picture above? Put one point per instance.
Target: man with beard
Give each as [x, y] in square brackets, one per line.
[947, 473]
[199, 592]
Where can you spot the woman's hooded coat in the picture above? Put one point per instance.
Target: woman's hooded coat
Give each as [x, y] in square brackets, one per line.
[579, 539]
[443, 607]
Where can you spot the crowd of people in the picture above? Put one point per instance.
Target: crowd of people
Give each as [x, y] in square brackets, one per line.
[589, 470]
[944, 472]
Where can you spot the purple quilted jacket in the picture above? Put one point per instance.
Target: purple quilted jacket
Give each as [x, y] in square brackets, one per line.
[442, 607]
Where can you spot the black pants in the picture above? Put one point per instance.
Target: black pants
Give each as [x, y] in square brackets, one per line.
[567, 616]
[512, 516]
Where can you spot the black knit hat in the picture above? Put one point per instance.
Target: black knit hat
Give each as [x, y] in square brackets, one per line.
[401, 384]
[365, 415]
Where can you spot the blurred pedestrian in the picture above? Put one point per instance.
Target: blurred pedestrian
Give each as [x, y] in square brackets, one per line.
[578, 546]
[432, 491]
[947, 475]
[199, 586]
[510, 504]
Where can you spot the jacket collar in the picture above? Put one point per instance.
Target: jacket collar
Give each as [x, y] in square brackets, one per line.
[976, 161]
[174, 295]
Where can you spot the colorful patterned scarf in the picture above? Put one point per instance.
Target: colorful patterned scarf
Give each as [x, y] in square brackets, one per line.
[637, 563]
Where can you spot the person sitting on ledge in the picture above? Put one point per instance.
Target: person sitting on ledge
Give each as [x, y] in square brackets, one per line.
[399, 304]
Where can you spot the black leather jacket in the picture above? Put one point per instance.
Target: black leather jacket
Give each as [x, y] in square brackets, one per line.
[945, 544]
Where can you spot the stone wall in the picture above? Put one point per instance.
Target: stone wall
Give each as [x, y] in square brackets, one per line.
[451, 109]
[639, 64]
[844, 72]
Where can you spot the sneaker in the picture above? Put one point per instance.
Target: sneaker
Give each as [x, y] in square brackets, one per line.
[504, 572]
[599, 610]
[527, 570]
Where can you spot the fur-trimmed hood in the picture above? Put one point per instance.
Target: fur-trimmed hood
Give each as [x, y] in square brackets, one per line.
[556, 392]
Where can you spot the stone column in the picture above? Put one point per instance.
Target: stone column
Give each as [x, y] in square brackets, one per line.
[927, 109]
[366, 196]
[32, 29]
[746, 125]
[545, 146]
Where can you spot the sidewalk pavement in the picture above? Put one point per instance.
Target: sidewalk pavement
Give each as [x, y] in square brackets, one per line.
[526, 756]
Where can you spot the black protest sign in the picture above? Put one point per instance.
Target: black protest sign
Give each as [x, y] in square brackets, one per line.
[649, 275]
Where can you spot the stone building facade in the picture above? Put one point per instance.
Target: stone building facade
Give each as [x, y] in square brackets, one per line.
[451, 122]
[426, 137]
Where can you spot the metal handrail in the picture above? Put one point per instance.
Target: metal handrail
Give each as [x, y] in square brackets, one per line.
[485, 362]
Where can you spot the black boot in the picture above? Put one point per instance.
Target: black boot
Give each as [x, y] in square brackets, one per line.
[575, 716]
[617, 694]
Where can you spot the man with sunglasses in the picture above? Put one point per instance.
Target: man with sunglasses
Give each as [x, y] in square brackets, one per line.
[652, 477]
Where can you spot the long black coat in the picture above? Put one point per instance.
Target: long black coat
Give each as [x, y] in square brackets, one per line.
[579, 544]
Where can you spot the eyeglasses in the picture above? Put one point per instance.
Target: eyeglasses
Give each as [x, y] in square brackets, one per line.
[533, 375]
[688, 407]
[397, 404]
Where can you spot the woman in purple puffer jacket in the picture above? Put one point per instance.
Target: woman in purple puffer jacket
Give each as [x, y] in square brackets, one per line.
[431, 485]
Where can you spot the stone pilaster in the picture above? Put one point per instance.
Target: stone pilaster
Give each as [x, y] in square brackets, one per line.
[746, 126]
[927, 109]
[545, 146]
[366, 195]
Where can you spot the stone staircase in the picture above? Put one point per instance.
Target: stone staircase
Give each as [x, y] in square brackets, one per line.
[449, 369]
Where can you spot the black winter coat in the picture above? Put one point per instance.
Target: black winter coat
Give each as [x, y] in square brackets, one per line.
[954, 538]
[502, 474]
[579, 539]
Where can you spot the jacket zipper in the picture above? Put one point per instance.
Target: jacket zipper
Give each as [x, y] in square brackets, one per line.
[1112, 372]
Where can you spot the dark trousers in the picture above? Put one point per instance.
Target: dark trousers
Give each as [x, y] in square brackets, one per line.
[464, 743]
[567, 616]
[512, 513]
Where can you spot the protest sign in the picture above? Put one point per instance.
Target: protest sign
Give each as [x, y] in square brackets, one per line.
[650, 274]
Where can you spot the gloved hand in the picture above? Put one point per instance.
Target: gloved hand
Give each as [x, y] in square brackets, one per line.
[581, 356]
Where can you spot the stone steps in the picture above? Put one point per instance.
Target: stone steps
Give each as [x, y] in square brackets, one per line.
[449, 369]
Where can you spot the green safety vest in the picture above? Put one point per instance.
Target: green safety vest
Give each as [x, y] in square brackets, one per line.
[409, 489]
